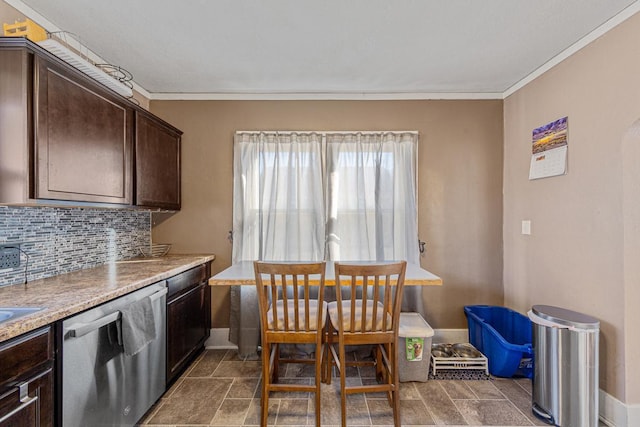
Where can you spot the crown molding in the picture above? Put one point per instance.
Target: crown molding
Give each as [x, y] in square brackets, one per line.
[303, 96]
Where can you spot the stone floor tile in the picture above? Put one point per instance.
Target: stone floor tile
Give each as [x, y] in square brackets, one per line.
[228, 369]
[232, 412]
[458, 389]
[491, 413]
[292, 412]
[232, 356]
[518, 396]
[244, 388]
[380, 412]
[195, 401]
[408, 391]
[253, 414]
[206, 364]
[414, 412]
[484, 389]
[439, 404]
[173, 387]
[298, 370]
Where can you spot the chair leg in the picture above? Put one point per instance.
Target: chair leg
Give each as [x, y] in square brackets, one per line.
[329, 359]
[396, 384]
[379, 364]
[276, 363]
[266, 378]
[319, 372]
[343, 393]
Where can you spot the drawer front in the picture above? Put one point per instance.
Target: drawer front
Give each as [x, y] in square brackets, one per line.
[19, 355]
[186, 280]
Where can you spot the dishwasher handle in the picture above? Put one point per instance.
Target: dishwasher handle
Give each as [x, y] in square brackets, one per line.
[80, 329]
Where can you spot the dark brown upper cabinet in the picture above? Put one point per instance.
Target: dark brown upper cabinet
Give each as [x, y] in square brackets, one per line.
[157, 154]
[83, 139]
[65, 138]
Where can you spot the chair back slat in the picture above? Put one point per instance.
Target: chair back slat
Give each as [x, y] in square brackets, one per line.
[284, 291]
[274, 296]
[375, 295]
[388, 302]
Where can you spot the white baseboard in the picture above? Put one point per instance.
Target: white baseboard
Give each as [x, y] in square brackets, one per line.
[219, 340]
[614, 413]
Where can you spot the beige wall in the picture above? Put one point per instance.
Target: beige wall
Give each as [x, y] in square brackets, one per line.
[574, 257]
[460, 184]
[9, 15]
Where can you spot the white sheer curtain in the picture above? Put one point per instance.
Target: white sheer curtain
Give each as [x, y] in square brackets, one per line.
[371, 197]
[371, 201]
[278, 197]
[278, 214]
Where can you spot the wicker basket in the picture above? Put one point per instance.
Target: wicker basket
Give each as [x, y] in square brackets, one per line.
[155, 249]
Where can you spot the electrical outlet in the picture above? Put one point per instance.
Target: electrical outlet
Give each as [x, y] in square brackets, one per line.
[9, 256]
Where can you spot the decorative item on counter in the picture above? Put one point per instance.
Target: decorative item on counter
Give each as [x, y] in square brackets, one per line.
[28, 29]
[155, 249]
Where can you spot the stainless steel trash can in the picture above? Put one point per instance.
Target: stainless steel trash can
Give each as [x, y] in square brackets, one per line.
[565, 379]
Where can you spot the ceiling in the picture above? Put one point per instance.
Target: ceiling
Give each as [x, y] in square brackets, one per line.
[331, 48]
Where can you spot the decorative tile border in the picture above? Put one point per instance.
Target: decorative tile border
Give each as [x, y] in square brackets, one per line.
[61, 240]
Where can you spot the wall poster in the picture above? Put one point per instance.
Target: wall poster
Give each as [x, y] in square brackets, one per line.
[549, 150]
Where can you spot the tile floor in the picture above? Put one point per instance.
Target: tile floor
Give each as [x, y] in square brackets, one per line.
[221, 390]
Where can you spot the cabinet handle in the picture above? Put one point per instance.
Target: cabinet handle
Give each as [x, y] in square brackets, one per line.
[24, 398]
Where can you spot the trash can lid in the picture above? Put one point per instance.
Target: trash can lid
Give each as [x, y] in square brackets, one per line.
[566, 317]
[412, 325]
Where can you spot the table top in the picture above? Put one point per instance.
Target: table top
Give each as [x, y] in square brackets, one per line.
[242, 274]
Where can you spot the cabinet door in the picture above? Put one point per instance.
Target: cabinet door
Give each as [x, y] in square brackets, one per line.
[26, 380]
[32, 407]
[157, 156]
[187, 327]
[84, 137]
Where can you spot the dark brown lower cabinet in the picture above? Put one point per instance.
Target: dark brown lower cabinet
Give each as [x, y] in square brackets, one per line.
[188, 318]
[26, 380]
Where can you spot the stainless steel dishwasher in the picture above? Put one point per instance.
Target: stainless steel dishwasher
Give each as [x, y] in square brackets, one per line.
[101, 386]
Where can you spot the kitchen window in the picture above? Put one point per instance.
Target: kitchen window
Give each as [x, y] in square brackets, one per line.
[325, 195]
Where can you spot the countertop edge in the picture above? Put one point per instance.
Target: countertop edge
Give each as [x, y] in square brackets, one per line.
[13, 328]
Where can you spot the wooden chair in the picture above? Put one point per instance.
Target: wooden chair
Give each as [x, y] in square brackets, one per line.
[375, 292]
[294, 318]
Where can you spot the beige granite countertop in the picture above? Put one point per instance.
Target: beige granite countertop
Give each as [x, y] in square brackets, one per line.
[67, 294]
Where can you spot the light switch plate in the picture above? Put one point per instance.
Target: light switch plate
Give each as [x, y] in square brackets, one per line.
[526, 226]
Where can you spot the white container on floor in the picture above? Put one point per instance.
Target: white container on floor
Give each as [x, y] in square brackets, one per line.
[414, 347]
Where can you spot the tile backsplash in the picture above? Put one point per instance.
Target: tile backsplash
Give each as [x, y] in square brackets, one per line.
[61, 240]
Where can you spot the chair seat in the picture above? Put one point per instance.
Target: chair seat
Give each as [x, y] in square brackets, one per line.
[313, 315]
[346, 316]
